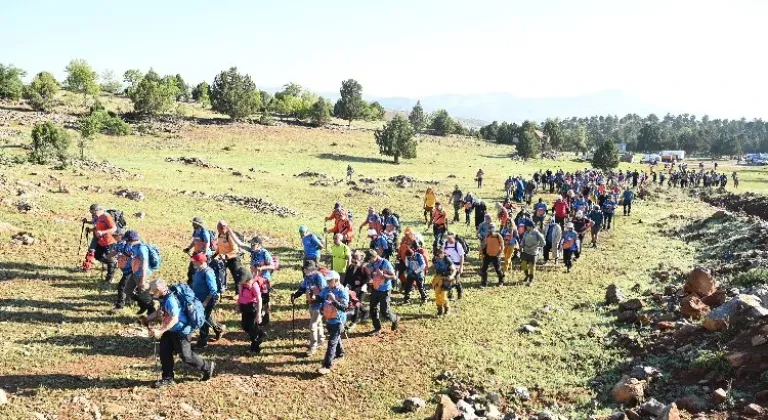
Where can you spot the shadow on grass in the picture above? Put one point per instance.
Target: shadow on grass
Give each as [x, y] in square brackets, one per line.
[16, 270]
[45, 304]
[26, 317]
[350, 158]
[106, 345]
[16, 383]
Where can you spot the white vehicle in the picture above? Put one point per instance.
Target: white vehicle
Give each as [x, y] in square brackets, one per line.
[670, 155]
[653, 159]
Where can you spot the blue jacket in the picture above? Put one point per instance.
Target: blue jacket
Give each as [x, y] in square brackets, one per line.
[171, 307]
[609, 206]
[204, 285]
[205, 237]
[416, 265]
[596, 217]
[628, 196]
[141, 251]
[382, 265]
[342, 301]
[261, 258]
[571, 236]
[313, 283]
[312, 246]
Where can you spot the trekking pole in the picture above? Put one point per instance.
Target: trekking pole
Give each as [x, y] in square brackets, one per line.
[80, 244]
[293, 324]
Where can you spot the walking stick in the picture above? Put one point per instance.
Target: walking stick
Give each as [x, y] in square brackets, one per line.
[293, 324]
[80, 244]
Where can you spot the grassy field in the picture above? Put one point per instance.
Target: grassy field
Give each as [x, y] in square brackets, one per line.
[61, 351]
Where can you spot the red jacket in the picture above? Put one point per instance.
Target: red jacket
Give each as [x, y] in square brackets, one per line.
[561, 209]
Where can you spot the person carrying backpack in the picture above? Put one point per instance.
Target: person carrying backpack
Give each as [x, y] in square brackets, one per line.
[479, 178]
[456, 250]
[456, 199]
[570, 246]
[262, 267]
[597, 217]
[250, 305]
[118, 251]
[480, 211]
[429, 205]
[627, 198]
[609, 207]
[581, 225]
[442, 281]
[202, 242]
[311, 286]
[539, 212]
[334, 299]
[416, 266]
[137, 285]
[493, 250]
[104, 228]
[350, 172]
[511, 244]
[553, 239]
[207, 292]
[175, 334]
[469, 205]
[531, 244]
[311, 243]
[355, 280]
[439, 226]
[482, 232]
[380, 273]
[373, 221]
[228, 249]
[561, 210]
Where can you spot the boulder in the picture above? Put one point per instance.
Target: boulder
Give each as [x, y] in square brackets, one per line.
[754, 410]
[631, 305]
[759, 340]
[645, 373]
[627, 316]
[414, 404]
[693, 307]
[652, 407]
[700, 282]
[446, 409]
[734, 311]
[715, 299]
[692, 403]
[719, 396]
[670, 413]
[613, 295]
[466, 410]
[628, 390]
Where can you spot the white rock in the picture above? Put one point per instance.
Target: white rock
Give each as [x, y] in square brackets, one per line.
[492, 412]
[522, 393]
[190, 410]
[3, 397]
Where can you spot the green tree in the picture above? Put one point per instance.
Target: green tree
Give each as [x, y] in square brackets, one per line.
[417, 117]
[442, 123]
[109, 82]
[132, 78]
[154, 95]
[181, 85]
[490, 131]
[649, 139]
[606, 156]
[48, 142]
[11, 86]
[290, 89]
[375, 112]
[321, 113]
[267, 101]
[396, 139]
[234, 94]
[576, 139]
[88, 127]
[202, 94]
[81, 78]
[41, 92]
[351, 105]
[528, 145]
[555, 133]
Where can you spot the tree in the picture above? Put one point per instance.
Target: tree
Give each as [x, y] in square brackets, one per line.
[234, 94]
[11, 86]
[48, 141]
[132, 77]
[606, 156]
[396, 139]
[375, 112]
[528, 146]
[81, 79]
[109, 82]
[321, 113]
[88, 127]
[267, 101]
[351, 105]
[417, 117]
[290, 89]
[442, 123]
[202, 94]
[575, 139]
[154, 95]
[555, 133]
[181, 85]
[490, 131]
[649, 138]
[42, 92]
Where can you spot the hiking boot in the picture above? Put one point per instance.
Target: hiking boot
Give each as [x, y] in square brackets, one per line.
[375, 333]
[395, 323]
[209, 372]
[162, 383]
[324, 371]
[217, 334]
[255, 347]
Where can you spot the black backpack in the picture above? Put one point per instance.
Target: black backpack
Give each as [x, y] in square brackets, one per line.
[463, 243]
[118, 217]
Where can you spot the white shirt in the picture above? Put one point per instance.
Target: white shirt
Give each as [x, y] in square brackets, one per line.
[454, 251]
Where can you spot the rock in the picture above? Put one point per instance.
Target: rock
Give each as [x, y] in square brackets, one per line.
[546, 415]
[466, 410]
[631, 305]
[753, 410]
[734, 311]
[445, 375]
[671, 290]
[613, 295]
[670, 413]
[692, 403]
[23, 238]
[511, 416]
[736, 359]
[414, 404]
[140, 215]
[190, 410]
[492, 412]
[693, 307]
[759, 340]
[645, 373]
[719, 396]
[3, 397]
[652, 407]
[630, 414]
[522, 394]
[446, 409]
[112, 410]
[494, 398]
[700, 282]
[530, 329]
[666, 325]
[535, 323]
[627, 316]
[628, 390]
[130, 194]
[715, 299]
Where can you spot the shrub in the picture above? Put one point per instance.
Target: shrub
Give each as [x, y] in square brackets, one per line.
[48, 142]
[154, 95]
[234, 94]
[754, 277]
[41, 92]
[11, 86]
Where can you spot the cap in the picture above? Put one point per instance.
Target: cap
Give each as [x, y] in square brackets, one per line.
[131, 236]
[200, 257]
[197, 220]
[303, 229]
[95, 207]
[528, 223]
[309, 265]
[569, 225]
[332, 275]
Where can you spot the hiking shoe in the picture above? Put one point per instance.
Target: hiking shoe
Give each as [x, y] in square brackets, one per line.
[374, 333]
[217, 334]
[339, 356]
[324, 371]
[501, 284]
[395, 324]
[209, 372]
[255, 347]
[162, 383]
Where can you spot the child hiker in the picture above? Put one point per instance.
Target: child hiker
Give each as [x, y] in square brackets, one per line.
[441, 283]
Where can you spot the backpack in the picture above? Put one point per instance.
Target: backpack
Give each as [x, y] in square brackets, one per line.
[463, 243]
[118, 217]
[213, 242]
[154, 258]
[190, 304]
[220, 271]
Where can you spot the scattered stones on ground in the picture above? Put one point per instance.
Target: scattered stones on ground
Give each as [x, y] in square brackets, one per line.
[613, 295]
[700, 282]
[631, 305]
[652, 407]
[628, 390]
[256, 205]
[671, 412]
[693, 307]
[89, 165]
[23, 238]
[414, 404]
[309, 174]
[194, 161]
[719, 396]
[368, 190]
[446, 409]
[26, 206]
[646, 373]
[130, 194]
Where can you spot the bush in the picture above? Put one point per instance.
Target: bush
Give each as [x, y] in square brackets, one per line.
[234, 94]
[752, 278]
[41, 93]
[442, 123]
[154, 95]
[11, 86]
[48, 142]
[396, 139]
[110, 124]
[320, 113]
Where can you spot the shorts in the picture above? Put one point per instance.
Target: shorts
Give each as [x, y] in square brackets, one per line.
[527, 257]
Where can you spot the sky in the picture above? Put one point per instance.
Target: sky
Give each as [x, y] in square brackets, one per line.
[699, 56]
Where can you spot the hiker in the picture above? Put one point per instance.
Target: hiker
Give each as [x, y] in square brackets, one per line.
[355, 280]
[561, 210]
[570, 246]
[380, 244]
[553, 238]
[341, 223]
[429, 205]
[626, 200]
[381, 273]
[262, 266]
[350, 172]
[439, 226]
[480, 211]
[373, 221]
[175, 334]
[334, 299]
[311, 243]
[493, 250]
[482, 232]
[511, 243]
[442, 281]
[530, 189]
[228, 250]
[531, 244]
[609, 207]
[311, 286]
[539, 211]
[456, 252]
[598, 219]
[519, 189]
[479, 178]
[138, 282]
[581, 225]
[509, 185]
[250, 304]
[456, 199]
[416, 266]
[103, 229]
[341, 255]
[391, 231]
[206, 291]
[469, 205]
[502, 213]
[122, 251]
[202, 242]
[735, 177]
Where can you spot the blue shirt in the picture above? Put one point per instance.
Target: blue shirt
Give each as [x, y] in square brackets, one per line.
[261, 258]
[596, 217]
[571, 236]
[204, 285]
[171, 308]
[416, 265]
[628, 195]
[380, 242]
[385, 266]
[123, 248]
[312, 246]
[391, 220]
[204, 236]
[141, 252]
[609, 206]
[442, 266]
[314, 284]
[342, 297]
[579, 204]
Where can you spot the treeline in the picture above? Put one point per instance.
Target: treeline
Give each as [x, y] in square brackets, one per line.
[704, 136]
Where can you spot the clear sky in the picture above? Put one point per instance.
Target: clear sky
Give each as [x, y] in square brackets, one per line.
[683, 54]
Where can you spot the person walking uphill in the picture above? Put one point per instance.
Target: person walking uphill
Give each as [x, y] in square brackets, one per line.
[312, 245]
[456, 199]
[313, 284]
[445, 271]
[202, 242]
[175, 335]
[429, 206]
[381, 274]
[262, 267]
[493, 251]
[341, 255]
[456, 252]
[627, 198]
[206, 291]
[553, 238]
[103, 229]
[439, 226]
[531, 244]
[416, 265]
[334, 299]
[138, 283]
[250, 305]
[228, 248]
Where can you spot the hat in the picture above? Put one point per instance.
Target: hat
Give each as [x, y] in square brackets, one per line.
[487, 216]
[131, 236]
[569, 225]
[197, 220]
[303, 229]
[528, 223]
[256, 240]
[95, 207]
[309, 264]
[200, 257]
[332, 275]
[222, 223]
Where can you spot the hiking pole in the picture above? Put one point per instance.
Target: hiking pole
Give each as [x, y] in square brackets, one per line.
[293, 324]
[80, 244]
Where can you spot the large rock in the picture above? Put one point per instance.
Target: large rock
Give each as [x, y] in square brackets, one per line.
[670, 413]
[613, 295]
[446, 409]
[719, 396]
[466, 410]
[693, 307]
[631, 305]
[700, 282]
[715, 299]
[652, 407]
[734, 311]
[754, 410]
[692, 404]
[414, 404]
[628, 390]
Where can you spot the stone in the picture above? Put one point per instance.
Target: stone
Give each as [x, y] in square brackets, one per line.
[671, 412]
[630, 414]
[511, 416]
[736, 359]
[445, 375]
[190, 410]
[645, 373]
[414, 404]
[140, 215]
[715, 299]
[530, 329]
[734, 311]
[692, 403]
[693, 307]
[700, 282]
[546, 415]
[719, 213]
[628, 390]
[666, 325]
[112, 410]
[494, 398]
[627, 316]
[613, 295]
[631, 305]
[719, 396]
[492, 412]
[522, 394]
[652, 407]
[466, 410]
[759, 340]
[753, 410]
[3, 397]
[535, 323]
[762, 396]
[446, 409]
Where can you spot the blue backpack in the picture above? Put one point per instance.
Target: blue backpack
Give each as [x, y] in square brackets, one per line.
[190, 304]
[154, 258]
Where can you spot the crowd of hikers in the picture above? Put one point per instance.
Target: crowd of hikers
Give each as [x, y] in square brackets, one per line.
[519, 230]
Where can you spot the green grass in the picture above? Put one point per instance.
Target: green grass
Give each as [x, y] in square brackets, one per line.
[59, 343]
